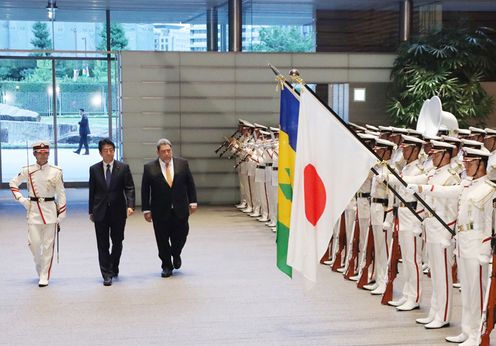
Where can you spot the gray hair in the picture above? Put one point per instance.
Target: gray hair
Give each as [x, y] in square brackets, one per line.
[163, 141]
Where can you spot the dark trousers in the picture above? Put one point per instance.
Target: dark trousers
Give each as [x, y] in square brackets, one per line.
[83, 140]
[170, 233]
[109, 229]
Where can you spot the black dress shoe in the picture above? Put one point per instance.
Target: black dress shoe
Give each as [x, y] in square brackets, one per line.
[107, 281]
[42, 285]
[177, 262]
[166, 273]
[76, 152]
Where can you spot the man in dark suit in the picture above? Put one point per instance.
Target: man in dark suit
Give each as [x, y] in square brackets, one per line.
[84, 131]
[168, 197]
[112, 200]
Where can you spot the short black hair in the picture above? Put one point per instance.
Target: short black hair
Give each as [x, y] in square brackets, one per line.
[81, 109]
[105, 141]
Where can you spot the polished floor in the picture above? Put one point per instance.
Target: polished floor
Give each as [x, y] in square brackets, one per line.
[228, 292]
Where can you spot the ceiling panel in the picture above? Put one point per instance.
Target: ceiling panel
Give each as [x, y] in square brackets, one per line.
[193, 11]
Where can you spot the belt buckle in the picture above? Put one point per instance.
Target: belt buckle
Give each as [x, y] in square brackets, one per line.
[41, 199]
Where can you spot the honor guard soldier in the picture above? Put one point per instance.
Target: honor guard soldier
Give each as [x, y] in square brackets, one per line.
[380, 207]
[474, 223]
[264, 161]
[363, 210]
[409, 227]
[45, 205]
[241, 168]
[257, 169]
[438, 239]
[271, 178]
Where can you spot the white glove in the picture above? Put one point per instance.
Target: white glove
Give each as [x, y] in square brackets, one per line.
[387, 226]
[417, 230]
[61, 217]
[380, 178]
[445, 243]
[25, 202]
[413, 187]
[484, 259]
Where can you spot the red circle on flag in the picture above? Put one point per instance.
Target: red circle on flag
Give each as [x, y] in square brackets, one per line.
[315, 194]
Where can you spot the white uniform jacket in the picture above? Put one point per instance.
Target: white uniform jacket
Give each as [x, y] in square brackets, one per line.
[43, 182]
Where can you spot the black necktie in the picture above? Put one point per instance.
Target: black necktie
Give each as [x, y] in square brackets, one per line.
[108, 176]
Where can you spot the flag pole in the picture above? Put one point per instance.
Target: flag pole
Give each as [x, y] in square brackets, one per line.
[397, 176]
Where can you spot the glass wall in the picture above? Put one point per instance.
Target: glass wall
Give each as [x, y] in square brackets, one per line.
[268, 29]
[31, 110]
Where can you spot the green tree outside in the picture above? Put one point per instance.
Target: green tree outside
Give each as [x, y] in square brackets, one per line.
[41, 38]
[283, 39]
[118, 40]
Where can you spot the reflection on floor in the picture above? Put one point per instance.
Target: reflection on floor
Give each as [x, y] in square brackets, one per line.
[228, 291]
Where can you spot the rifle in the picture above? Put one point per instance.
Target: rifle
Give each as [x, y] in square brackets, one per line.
[338, 263]
[394, 257]
[353, 261]
[488, 314]
[328, 254]
[235, 135]
[369, 258]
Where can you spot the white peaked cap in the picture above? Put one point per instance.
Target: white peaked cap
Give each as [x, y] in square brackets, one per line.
[412, 140]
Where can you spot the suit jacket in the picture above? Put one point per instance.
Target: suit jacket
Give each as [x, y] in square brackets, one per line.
[84, 126]
[159, 198]
[119, 196]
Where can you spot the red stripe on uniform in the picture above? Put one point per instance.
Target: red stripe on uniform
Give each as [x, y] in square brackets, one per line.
[480, 290]
[447, 285]
[486, 239]
[432, 187]
[416, 268]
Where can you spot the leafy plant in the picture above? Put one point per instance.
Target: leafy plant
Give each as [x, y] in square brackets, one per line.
[450, 64]
[283, 39]
[41, 38]
[118, 40]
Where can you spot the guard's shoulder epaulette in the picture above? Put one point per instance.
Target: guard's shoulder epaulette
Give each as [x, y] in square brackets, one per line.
[56, 167]
[485, 192]
[452, 171]
[491, 183]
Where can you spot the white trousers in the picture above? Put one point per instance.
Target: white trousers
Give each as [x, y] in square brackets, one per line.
[255, 198]
[363, 210]
[243, 186]
[264, 199]
[382, 241]
[411, 245]
[440, 263]
[41, 241]
[272, 192]
[473, 280]
[350, 218]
